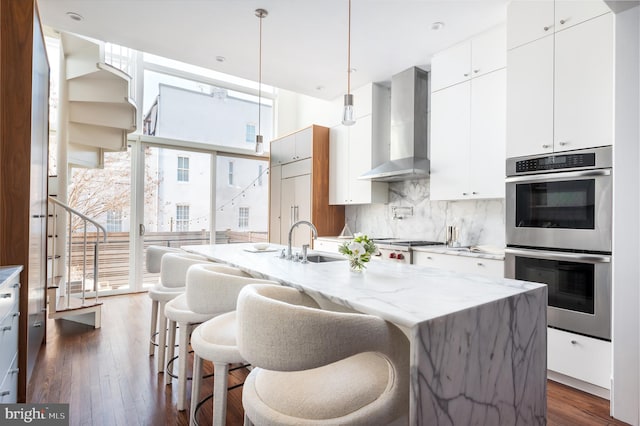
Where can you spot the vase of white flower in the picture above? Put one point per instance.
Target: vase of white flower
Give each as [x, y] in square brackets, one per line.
[358, 251]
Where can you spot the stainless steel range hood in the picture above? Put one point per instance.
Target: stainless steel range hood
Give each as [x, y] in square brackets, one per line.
[408, 152]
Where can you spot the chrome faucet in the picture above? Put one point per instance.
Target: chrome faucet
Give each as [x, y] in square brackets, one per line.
[300, 222]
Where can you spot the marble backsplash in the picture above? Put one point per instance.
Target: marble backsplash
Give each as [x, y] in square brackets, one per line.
[479, 222]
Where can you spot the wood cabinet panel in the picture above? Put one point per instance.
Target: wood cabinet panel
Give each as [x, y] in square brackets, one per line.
[24, 77]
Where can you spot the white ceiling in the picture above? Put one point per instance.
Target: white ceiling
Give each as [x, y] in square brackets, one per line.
[304, 41]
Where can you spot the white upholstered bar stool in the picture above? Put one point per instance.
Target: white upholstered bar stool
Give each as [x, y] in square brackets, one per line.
[210, 291]
[153, 262]
[319, 367]
[173, 273]
[215, 341]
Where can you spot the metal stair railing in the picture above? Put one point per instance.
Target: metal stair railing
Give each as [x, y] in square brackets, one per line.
[96, 248]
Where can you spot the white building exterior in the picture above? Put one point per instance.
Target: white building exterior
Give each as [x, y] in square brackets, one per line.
[183, 177]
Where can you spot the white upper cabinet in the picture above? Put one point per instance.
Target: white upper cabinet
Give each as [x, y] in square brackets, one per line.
[560, 90]
[294, 147]
[356, 149]
[451, 66]
[468, 125]
[450, 121]
[472, 58]
[584, 85]
[530, 20]
[572, 12]
[530, 98]
[468, 139]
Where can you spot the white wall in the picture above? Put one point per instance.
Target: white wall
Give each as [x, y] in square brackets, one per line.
[296, 111]
[625, 392]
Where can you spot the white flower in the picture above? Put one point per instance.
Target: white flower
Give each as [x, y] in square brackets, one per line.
[358, 234]
[357, 249]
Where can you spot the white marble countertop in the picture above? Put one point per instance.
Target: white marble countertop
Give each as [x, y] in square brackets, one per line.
[495, 253]
[403, 294]
[462, 251]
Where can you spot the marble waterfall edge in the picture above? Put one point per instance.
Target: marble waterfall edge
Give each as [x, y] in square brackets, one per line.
[478, 366]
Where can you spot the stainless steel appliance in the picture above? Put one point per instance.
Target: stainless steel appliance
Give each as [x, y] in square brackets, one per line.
[558, 232]
[579, 287]
[398, 250]
[560, 201]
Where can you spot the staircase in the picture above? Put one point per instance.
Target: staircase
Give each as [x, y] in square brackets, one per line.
[99, 110]
[96, 113]
[72, 304]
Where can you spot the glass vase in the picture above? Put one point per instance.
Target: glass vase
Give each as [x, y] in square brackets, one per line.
[356, 265]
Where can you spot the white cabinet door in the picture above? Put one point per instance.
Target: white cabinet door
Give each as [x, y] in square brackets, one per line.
[528, 20]
[339, 165]
[579, 357]
[451, 66]
[530, 98]
[572, 12]
[584, 85]
[450, 115]
[359, 161]
[287, 203]
[302, 209]
[283, 150]
[295, 205]
[303, 144]
[274, 204]
[488, 52]
[487, 139]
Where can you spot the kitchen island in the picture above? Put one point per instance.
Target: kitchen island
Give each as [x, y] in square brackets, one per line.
[478, 344]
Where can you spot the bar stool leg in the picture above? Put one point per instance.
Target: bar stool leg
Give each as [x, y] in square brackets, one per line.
[154, 325]
[162, 336]
[221, 372]
[171, 341]
[183, 353]
[195, 388]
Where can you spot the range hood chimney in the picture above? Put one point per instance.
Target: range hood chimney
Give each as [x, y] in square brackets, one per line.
[408, 153]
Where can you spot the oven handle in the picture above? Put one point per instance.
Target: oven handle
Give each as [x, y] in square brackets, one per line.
[561, 175]
[554, 255]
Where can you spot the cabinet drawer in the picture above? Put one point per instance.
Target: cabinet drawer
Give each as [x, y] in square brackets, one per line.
[8, 299]
[297, 168]
[9, 384]
[8, 340]
[579, 357]
[326, 245]
[463, 264]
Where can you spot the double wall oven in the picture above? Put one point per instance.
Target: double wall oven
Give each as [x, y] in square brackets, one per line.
[558, 232]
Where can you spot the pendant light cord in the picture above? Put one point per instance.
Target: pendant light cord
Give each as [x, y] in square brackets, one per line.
[260, 80]
[349, 53]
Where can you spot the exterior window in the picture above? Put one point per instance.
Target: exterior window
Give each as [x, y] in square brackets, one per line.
[260, 171]
[114, 221]
[243, 217]
[182, 218]
[183, 169]
[230, 172]
[250, 132]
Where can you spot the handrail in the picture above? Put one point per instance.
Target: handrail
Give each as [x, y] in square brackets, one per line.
[83, 217]
[98, 228]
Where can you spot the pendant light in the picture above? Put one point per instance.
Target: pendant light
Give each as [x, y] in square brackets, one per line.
[260, 13]
[348, 117]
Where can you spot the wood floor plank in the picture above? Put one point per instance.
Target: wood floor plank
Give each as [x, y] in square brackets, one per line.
[108, 378]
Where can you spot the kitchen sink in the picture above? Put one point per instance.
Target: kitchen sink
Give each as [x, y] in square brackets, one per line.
[319, 258]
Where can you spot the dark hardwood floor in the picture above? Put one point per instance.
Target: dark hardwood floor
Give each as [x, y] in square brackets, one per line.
[108, 378]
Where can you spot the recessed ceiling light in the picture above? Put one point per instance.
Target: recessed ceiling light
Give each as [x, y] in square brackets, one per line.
[437, 26]
[319, 87]
[353, 70]
[75, 16]
[220, 58]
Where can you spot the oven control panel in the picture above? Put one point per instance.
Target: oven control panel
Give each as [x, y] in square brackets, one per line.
[555, 162]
